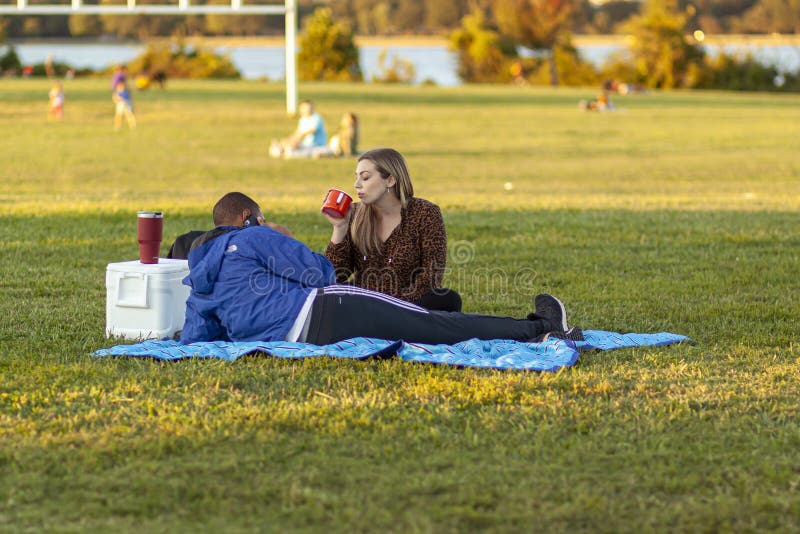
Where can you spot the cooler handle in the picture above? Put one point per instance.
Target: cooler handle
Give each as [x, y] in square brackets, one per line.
[137, 301]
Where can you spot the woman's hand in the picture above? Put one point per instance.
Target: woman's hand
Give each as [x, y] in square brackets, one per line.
[340, 225]
[340, 221]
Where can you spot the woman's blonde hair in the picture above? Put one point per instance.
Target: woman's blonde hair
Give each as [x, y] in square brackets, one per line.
[364, 228]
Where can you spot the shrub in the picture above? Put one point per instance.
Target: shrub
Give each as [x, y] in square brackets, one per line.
[180, 62]
[10, 61]
[744, 74]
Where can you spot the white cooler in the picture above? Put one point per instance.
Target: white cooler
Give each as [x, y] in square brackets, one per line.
[146, 300]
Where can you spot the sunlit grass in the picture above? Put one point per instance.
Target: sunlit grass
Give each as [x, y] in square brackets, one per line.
[678, 212]
[691, 151]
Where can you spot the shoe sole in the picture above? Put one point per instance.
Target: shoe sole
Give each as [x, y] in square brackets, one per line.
[563, 312]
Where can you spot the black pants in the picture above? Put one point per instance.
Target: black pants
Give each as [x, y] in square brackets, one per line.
[343, 312]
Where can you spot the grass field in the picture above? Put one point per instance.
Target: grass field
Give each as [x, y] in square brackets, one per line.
[679, 212]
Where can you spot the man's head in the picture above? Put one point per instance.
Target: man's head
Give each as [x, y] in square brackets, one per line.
[233, 209]
[306, 108]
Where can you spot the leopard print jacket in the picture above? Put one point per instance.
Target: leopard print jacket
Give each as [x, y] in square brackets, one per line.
[411, 261]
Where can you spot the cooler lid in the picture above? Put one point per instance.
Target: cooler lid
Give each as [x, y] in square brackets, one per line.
[164, 266]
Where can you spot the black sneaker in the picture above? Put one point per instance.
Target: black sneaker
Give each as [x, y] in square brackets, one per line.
[573, 334]
[551, 309]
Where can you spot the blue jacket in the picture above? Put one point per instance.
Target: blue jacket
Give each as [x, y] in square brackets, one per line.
[249, 284]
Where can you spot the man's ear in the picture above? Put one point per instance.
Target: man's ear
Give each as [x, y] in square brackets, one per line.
[245, 214]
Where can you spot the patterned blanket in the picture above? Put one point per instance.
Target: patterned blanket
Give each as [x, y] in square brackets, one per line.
[550, 355]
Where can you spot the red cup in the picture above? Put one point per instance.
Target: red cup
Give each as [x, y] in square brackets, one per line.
[336, 203]
[149, 230]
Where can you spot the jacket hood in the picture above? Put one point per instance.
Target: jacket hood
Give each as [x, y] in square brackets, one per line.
[205, 261]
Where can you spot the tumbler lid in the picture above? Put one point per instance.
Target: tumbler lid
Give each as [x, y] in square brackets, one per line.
[150, 214]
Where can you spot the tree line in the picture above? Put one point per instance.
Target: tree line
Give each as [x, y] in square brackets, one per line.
[495, 45]
[393, 17]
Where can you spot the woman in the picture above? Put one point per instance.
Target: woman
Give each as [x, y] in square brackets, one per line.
[391, 241]
[344, 142]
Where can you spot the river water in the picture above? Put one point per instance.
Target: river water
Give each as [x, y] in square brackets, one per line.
[434, 63]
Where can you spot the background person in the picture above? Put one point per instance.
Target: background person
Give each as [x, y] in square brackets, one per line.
[251, 283]
[56, 108]
[309, 135]
[345, 142]
[49, 66]
[392, 241]
[124, 106]
[120, 74]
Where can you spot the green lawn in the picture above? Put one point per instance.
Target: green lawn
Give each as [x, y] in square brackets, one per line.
[679, 212]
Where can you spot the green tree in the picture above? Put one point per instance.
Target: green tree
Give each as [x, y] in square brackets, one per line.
[409, 16]
[233, 25]
[327, 50]
[9, 60]
[373, 17]
[663, 55]
[536, 24]
[138, 26]
[363, 16]
[483, 55]
[84, 25]
[443, 14]
[767, 16]
[574, 70]
[606, 17]
[345, 11]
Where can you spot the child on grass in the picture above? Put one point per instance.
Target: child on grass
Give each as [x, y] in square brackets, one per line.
[124, 106]
[56, 109]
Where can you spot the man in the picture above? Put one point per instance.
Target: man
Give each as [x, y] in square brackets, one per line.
[309, 135]
[252, 283]
[182, 245]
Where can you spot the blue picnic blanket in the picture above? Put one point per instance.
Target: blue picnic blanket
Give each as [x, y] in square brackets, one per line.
[550, 355]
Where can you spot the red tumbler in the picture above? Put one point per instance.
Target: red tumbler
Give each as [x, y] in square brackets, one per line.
[149, 230]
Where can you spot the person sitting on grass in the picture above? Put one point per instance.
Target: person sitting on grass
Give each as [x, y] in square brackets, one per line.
[309, 136]
[601, 103]
[391, 241]
[344, 142]
[251, 283]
